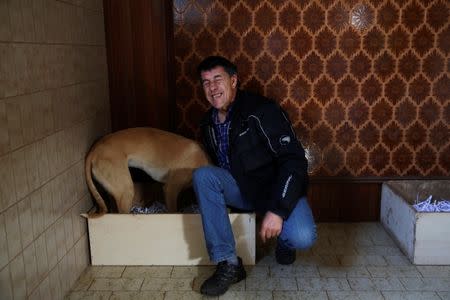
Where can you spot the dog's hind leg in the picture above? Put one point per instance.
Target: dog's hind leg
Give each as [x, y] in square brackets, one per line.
[116, 179]
[176, 181]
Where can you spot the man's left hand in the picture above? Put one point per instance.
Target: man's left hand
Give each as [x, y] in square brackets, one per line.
[271, 226]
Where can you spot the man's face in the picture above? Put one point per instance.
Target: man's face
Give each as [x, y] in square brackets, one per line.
[219, 87]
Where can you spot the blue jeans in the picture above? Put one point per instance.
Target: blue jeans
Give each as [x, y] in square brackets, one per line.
[216, 188]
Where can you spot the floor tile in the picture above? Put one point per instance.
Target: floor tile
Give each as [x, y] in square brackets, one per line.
[394, 271]
[375, 284]
[137, 295]
[247, 295]
[427, 284]
[185, 295]
[323, 284]
[271, 284]
[359, 271]
[410, 296]
[88, 295]
[362, 260]
[116, 284]
[147, 271]
[354, 295]
[191, 271]
[294, 271]
[257, 271]
[104, 271]
[286, 295]
[397, 260]
[378, 250]
[434, 271]
[318, 260]
[167, 284]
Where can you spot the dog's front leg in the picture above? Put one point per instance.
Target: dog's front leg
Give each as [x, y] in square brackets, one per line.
[176, 181]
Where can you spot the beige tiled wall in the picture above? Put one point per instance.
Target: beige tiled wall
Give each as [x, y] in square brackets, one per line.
[53, 105]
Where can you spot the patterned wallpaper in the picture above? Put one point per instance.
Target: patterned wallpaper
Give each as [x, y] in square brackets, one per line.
[366, 83]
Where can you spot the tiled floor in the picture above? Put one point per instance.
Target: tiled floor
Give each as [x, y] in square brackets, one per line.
[349, 261]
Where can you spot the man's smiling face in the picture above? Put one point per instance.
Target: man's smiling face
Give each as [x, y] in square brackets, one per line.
[219, 87]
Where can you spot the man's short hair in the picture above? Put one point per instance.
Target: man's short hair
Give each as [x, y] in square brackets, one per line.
[211, 62]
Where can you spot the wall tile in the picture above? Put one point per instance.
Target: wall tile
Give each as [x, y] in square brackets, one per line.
[25, 221]
[5, 284]
[56, 197]
[4, 134]
[82, 258]
[55, 286]
[76, 220]
[7, 187]
[31, 274]
[14, 117]
[28, 118]
[43, 161]
[47, 205]
[32, 164]
[5, 24]
[18, 279]
[44, 289]
[47, 112]
[52, 252]
[4, 258]
[60, 238]
[35, 295]
[71, 266]
[64, 274]
[40, 15]
[37, 213]
[20, 173]
[13, 231]
[41, 256]
[23, 71]
[16, 19]
[68, 229]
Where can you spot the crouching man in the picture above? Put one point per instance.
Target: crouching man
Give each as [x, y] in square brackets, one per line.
[259, 166]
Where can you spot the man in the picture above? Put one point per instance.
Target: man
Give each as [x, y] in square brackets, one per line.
[260, 165]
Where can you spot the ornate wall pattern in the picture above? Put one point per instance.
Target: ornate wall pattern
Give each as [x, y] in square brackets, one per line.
[366, 83]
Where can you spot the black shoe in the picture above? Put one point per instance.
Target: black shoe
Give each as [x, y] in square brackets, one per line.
[284, 255]
[224, 276]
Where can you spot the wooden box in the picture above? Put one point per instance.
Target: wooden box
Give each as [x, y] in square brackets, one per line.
[423, 236]
[161, 239]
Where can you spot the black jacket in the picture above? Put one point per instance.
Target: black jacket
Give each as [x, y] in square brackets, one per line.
[267, 160]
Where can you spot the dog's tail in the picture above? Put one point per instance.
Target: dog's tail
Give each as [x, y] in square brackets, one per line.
[102, 209]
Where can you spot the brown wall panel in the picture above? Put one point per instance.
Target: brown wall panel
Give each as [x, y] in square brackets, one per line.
[345, 201]
[140, 60]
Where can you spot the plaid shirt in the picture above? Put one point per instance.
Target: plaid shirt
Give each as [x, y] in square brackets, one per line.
[222, 132]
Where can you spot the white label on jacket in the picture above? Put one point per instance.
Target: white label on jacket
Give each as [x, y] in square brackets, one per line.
[286, 185]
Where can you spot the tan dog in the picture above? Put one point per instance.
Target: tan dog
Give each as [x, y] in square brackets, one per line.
[164, 156]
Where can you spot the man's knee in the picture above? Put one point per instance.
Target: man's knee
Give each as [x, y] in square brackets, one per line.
[204, 176]
[304, 238]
